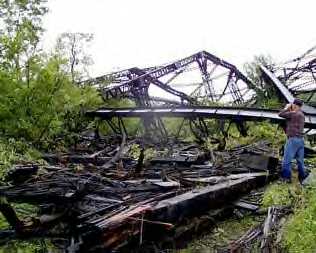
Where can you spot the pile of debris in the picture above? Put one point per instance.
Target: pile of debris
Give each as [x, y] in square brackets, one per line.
[266, 235]
[101, 198]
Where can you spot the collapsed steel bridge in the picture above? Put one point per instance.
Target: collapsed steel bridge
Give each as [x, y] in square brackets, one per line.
[134, 83]
[210, 78]
[194, 80]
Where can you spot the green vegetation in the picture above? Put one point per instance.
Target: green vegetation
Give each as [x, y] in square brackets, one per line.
[278, 195]
[31, 246]
[49, 106]
[39, 100]
[265, 93]
[255, 132]
[12, 151]
[300, 230]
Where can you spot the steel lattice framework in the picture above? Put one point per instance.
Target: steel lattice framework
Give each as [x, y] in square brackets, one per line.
[299, 74]
[219, 80]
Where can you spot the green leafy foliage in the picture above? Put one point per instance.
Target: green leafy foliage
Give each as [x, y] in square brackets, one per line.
[38, 100]
[21, 29]
[45, 107]
[257, 131]
[266, 96]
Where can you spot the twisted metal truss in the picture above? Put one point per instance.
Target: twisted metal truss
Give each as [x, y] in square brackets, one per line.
[199, 77]
[299, 74]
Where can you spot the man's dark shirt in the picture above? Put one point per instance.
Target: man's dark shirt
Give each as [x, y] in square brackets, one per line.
[294, 122]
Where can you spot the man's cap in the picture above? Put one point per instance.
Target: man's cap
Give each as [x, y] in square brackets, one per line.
[298, 102]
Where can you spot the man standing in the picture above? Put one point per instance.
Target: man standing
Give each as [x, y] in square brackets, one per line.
[294, 147]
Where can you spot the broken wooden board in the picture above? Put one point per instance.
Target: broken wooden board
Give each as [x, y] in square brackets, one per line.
[219, 179]
[246, 206]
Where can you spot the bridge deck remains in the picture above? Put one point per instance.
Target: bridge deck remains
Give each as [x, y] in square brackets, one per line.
[234, 113]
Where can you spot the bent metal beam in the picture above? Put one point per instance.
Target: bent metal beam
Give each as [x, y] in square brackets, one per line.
[270, 77]
[234, 113]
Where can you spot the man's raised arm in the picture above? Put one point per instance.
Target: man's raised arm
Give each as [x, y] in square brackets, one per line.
[286, 113]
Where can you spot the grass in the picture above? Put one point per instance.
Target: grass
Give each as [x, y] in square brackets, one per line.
[278, 194]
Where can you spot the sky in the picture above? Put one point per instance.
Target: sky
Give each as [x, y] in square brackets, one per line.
[142, 33]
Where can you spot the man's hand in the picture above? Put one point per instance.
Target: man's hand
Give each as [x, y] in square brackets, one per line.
[286, 112]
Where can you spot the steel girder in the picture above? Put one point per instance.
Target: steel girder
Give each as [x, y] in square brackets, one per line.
[233, 113]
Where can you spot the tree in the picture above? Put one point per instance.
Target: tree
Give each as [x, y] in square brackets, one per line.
[265, 94]
[73, 47]
[38, 100]
[21, 29]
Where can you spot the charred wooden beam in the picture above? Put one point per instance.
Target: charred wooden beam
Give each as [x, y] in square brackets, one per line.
[200, 200]
[10, 215]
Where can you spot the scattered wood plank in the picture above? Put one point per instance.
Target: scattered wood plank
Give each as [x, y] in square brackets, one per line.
[244, 205]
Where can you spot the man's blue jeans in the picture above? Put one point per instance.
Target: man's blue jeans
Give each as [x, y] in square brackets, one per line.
[294, 148]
